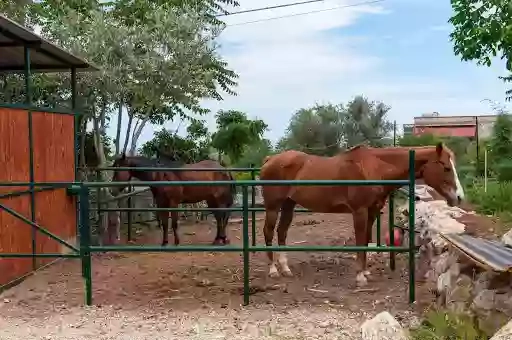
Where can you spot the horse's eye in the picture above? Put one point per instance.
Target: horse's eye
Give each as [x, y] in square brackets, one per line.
[447, 169]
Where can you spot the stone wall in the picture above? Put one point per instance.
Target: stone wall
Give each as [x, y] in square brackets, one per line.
[459, 284]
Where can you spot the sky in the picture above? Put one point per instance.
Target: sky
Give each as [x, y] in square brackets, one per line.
[394, 51]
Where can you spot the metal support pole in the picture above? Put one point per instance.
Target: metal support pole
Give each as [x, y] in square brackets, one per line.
[76, 128]
[246, 255]
[28, 102]
[253, 205]
[412, 218]
[85, 244]
[391, 228]
[101, 227]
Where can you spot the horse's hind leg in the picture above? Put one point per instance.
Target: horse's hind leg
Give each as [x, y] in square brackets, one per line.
[271, 214]
[163, 217]
[174, 219]
[360, 229]
[220, 238]
[285, 220]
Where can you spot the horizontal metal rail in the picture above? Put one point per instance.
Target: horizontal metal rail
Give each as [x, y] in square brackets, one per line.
[398, 182]
[198, 248]
[38, 227]
[188, 209]
[47, 255]
[174, 169]
[25, 192]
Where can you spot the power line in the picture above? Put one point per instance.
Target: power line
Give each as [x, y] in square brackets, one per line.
[305, 13]
[269, 7]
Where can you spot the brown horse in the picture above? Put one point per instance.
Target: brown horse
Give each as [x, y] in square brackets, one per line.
[216, 196]
[434, 164]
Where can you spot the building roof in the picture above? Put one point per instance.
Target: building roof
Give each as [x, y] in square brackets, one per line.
[45, 56]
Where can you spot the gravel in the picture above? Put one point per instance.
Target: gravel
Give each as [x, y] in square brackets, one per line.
[105, 323]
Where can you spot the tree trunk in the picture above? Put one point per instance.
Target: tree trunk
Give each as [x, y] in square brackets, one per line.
[118, 130]
[110, 222]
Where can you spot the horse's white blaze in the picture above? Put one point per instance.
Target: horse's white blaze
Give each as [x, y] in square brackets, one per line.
[460, 190]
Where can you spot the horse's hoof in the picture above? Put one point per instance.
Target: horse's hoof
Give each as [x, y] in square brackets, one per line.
[220, 241]
[287, 273]
[273, 274]
[361, 280]
[164, 244]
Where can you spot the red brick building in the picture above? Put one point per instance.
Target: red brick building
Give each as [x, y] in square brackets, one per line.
[461, 126]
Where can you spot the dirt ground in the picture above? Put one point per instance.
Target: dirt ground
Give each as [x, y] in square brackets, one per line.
[139, 296]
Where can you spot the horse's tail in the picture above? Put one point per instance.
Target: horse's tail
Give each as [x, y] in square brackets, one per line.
[232, 187]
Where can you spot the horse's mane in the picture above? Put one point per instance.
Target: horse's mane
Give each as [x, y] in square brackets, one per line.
[355, 148]
[144, 161]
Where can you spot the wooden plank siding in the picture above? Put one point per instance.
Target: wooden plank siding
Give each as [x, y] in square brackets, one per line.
[54, 162]
[53, 147]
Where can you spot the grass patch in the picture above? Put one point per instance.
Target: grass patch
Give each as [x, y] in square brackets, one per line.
[444, 325]
[496, 201]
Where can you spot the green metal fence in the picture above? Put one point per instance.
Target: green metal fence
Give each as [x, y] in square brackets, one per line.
[86, 249]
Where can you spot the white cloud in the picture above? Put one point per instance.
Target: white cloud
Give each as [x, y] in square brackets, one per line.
[296, 61]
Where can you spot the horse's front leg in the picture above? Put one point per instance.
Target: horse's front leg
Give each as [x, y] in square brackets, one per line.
[360, 229]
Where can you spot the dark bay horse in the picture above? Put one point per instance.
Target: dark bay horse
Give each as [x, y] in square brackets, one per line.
[216, 196]
[436, 165]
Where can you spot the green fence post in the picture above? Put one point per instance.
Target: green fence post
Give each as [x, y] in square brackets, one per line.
[391, 227]
[246, 255]
[378, 228]
[28, 102]
[129, 234]
[253, 205]
[99, 193]
[85, 244]
[412, 218]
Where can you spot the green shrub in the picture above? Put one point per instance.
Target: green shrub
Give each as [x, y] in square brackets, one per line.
[243, 176]
[504, 171]
[497, 199]
[443, 325]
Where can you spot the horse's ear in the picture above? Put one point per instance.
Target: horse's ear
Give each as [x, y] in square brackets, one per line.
[439, 148]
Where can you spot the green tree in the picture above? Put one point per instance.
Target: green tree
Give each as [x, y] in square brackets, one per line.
[482, 30]
[366, 121]
[418, 140]
[500, 146]
[192, 148]
[317, 130]
[328, 129]
[254, 154]
[235, 132]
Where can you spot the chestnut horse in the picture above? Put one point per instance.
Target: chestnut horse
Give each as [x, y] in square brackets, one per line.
[216, 196]
[434, 164]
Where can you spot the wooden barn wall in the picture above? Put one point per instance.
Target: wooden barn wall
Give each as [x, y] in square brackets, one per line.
[54, 162]
[15, 235]
[53, 141]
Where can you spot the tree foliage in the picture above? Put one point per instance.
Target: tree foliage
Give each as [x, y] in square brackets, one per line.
[329, 129]
[317, 130]
[254, 154]
[500, 144]
[235, 132]
[482, 30]
[192, 148]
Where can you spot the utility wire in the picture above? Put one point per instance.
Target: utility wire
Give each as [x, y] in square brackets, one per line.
[269, 7]
[305, 13]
